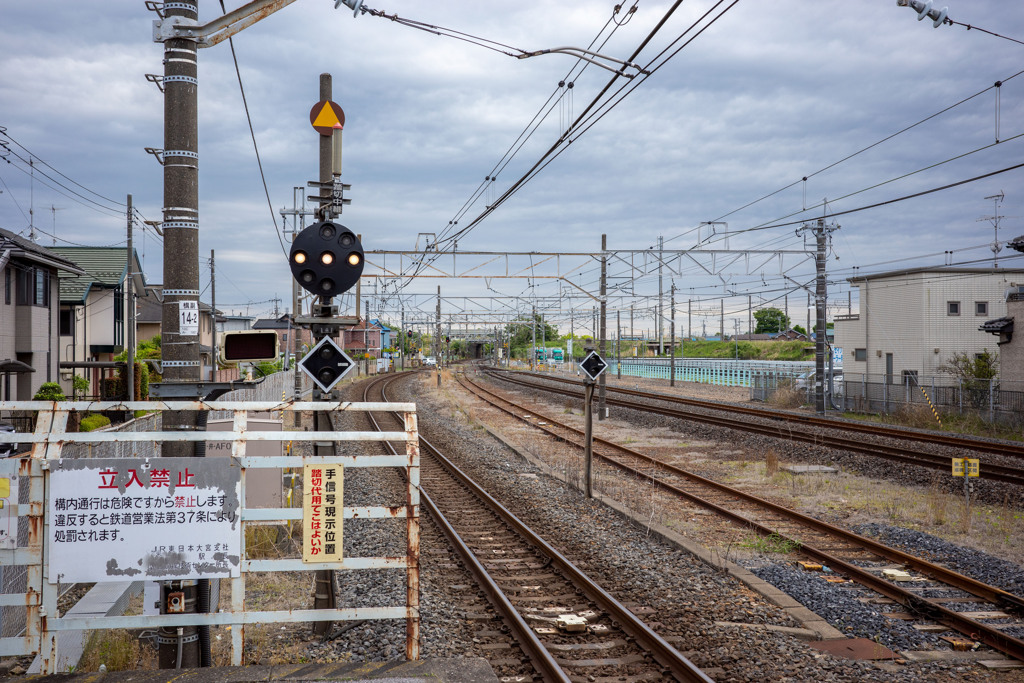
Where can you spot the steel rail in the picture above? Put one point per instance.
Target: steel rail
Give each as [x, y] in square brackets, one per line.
[540, 656]
[923, 606]
[662, 651]
[1008, 449]
[995, 472]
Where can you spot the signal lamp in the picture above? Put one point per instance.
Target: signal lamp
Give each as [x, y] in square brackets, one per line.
[326, 275]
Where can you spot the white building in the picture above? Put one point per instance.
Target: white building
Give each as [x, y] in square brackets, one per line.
[911, 322]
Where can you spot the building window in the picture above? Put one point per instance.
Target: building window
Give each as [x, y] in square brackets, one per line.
[980, 308]
[860, 354]
[952, 308]
[66, 323]
[32, 287]
[42, 293]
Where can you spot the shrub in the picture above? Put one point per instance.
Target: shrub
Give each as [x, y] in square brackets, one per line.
[93, 421]
[50, 391]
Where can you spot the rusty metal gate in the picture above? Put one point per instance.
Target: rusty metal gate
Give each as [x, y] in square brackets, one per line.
[28, 534]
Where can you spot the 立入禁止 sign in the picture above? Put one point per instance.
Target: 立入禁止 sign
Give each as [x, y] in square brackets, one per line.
[111, 519]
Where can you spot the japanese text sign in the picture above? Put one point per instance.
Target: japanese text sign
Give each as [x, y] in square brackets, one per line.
[322, 488]
[111, 519]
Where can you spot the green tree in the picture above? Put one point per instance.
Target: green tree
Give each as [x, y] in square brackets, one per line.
[770, 320]
[520, 332]
[800, 329]
[975, 373]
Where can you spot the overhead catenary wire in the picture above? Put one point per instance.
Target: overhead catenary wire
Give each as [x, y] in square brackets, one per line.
[255, 146]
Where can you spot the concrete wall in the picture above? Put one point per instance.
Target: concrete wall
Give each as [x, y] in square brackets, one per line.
[908, 316]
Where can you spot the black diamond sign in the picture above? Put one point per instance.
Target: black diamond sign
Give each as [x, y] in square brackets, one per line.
[326, 364]
[593, 365]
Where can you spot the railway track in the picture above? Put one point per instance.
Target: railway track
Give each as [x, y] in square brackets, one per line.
[569, 627]
[858, 558]
[794, 428]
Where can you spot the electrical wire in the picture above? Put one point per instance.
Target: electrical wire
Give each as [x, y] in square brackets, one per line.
[969, 27]
[864, 149]
[252, 132]
[585, 117]
[3, 131]
[64, 191]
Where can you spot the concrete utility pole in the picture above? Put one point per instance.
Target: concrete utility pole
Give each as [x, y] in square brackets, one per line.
[661, 303]
[437, 339]
[179, 341]
[820, 296]
[533, 342]
[618, 344]
[602, 345]
[672, 340]
[213, 315]
[130, 304]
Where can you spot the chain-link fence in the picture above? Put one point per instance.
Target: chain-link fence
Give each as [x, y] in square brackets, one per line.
[990, 399]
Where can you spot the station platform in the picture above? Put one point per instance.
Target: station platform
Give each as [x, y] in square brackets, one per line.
[467, 670]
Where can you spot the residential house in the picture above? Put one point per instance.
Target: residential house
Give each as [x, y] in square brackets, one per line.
[362, 338]
[287, 334]
[1010, 345]
[789, 335]
[912, 322]
[93, 308]
[386, 334]
[30, 314]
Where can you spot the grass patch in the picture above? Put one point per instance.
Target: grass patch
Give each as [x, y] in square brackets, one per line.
[117, 650]
[772, 543]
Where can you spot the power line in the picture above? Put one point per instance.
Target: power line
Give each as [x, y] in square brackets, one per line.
[252, 133]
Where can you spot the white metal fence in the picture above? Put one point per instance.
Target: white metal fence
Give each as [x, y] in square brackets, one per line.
[37, 621]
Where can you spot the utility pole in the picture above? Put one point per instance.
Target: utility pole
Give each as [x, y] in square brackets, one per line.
[661, 303]
[533, 338]
[618, 344]
[750, 318]
[213, 315]
[602, 346]
[721, 329]
[179, 340]
[821, 233]
[437, 339]
[130, 295]
[672, 340]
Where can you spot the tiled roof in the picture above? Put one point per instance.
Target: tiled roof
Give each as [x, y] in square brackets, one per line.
[997, 326]
[21, 247]
[104, 266]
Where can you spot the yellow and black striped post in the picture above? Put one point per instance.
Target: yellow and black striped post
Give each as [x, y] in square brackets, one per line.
[930, 405]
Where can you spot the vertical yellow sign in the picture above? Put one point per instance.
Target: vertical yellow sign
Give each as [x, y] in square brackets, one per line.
[322, 495]
[958, 467]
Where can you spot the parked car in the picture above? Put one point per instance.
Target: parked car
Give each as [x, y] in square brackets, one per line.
[7, 449]
[430, 360]
[806, 381]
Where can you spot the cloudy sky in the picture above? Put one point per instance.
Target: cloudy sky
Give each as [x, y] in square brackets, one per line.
[723, 130]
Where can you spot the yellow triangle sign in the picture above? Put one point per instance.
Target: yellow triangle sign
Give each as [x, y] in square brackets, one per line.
[326, 118]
